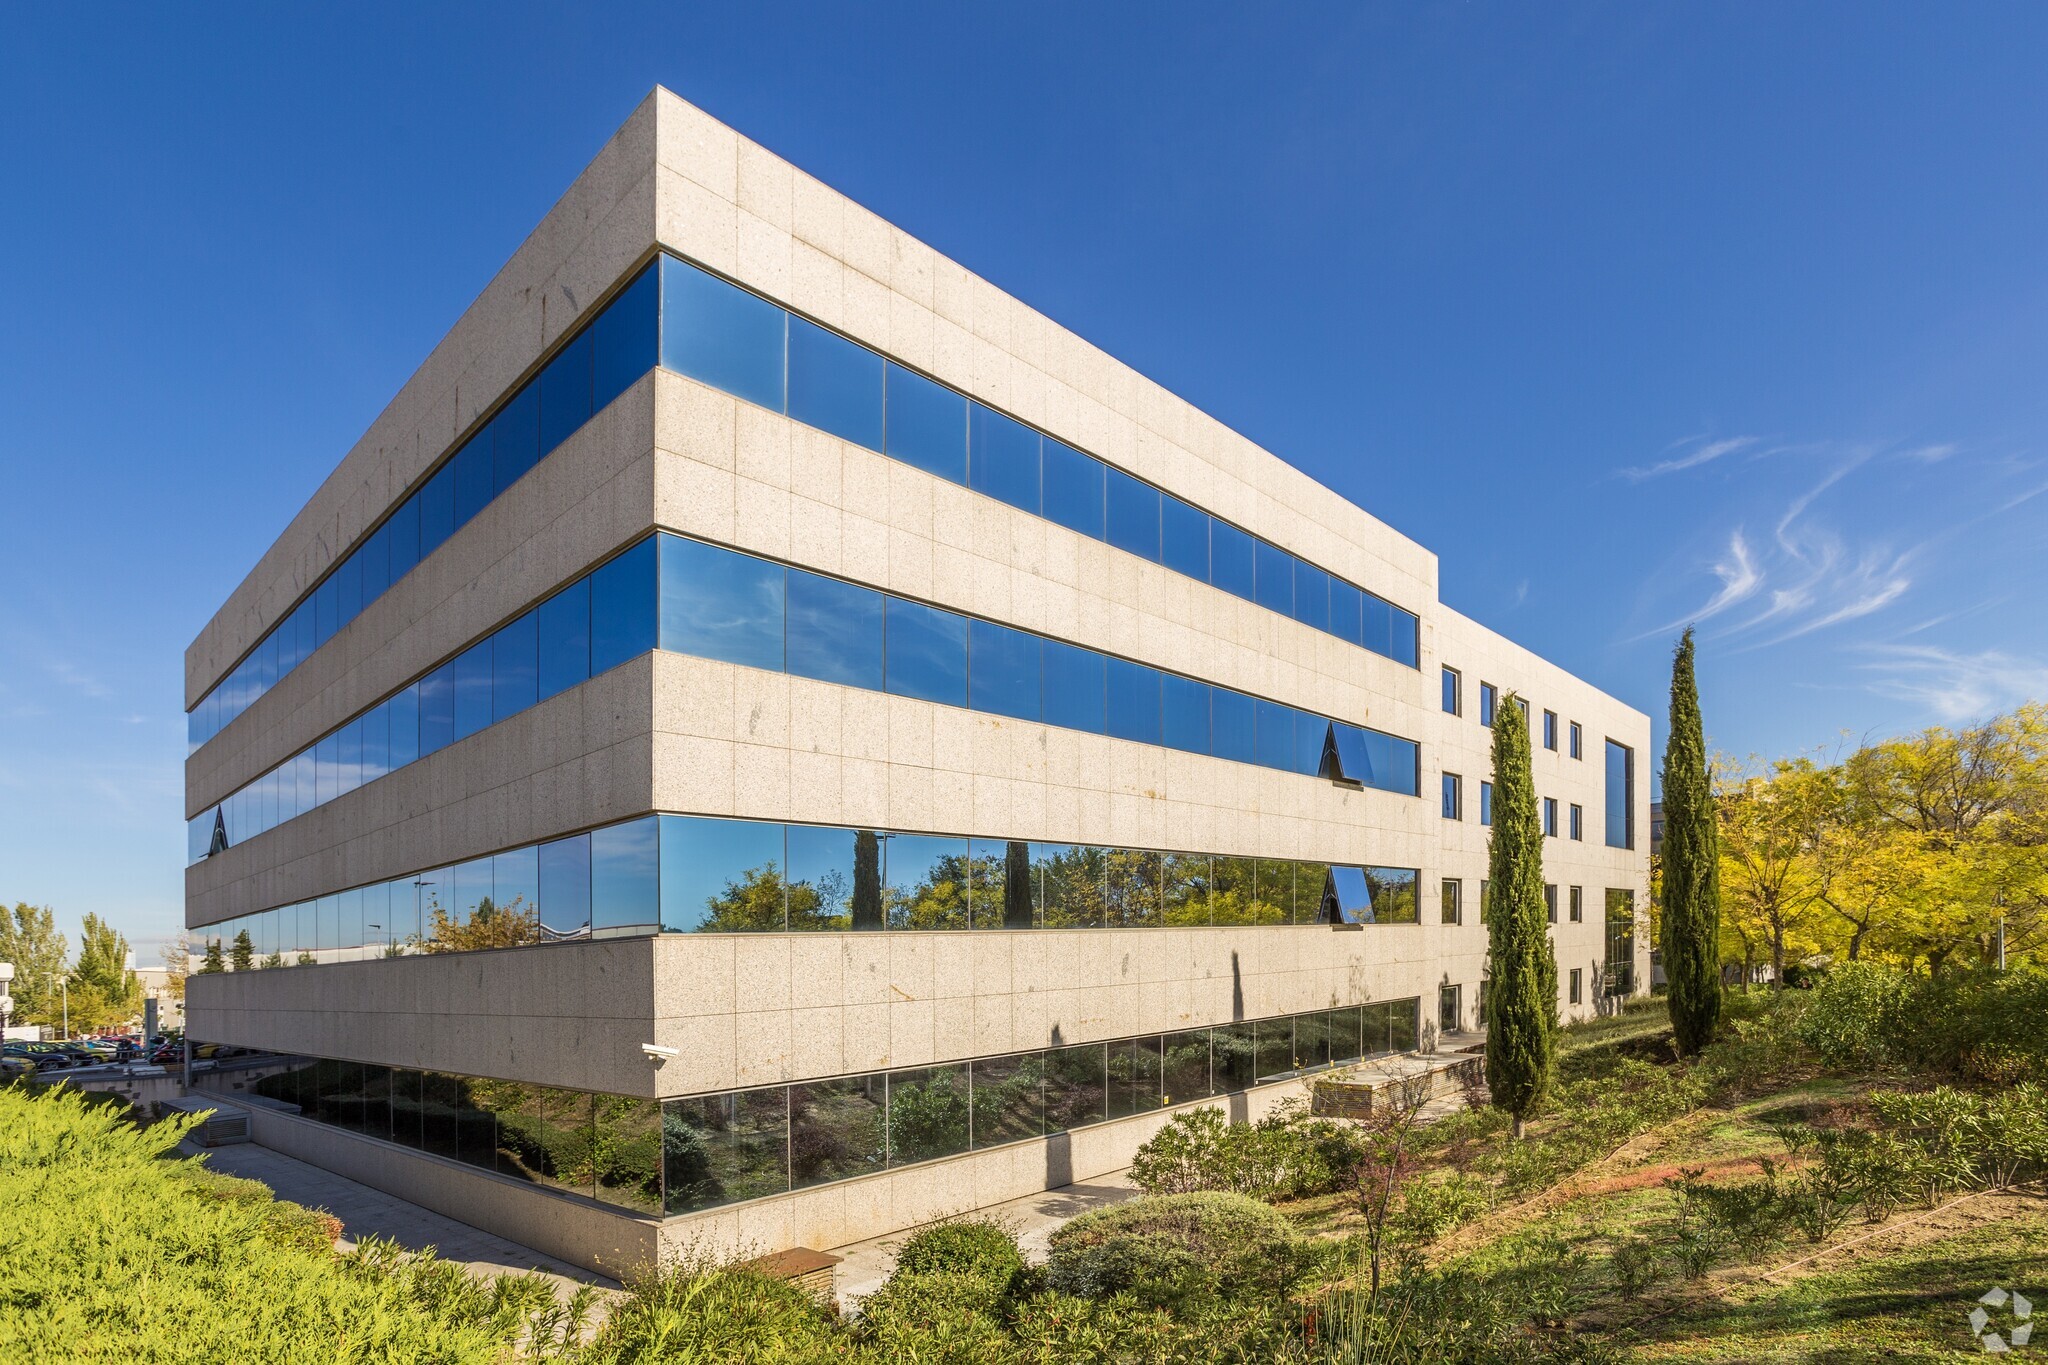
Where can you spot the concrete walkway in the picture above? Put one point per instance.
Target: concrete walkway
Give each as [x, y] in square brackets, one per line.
[1033, 1219]
[366, 1212]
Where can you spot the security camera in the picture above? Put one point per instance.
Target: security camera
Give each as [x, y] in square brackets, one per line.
[660, 1053]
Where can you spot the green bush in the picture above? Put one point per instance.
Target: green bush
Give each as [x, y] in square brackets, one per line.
[935, 1315]
[972, 1247]
[1432, 1208]
[695, 1313]
[1283, 1156]
[1173, 1250]
[113, 1249]
[1854, 1014]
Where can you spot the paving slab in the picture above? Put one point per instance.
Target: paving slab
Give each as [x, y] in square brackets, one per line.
[365, 1212]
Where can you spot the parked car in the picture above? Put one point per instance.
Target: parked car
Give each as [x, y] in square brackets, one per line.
[13, 1068]
[45, 1056]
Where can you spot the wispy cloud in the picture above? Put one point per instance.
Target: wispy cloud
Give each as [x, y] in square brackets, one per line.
[78, 680]
[1696, 453]
[1521, 593]
[1955, 685]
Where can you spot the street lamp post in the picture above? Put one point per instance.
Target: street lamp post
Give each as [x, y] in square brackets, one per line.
[65, 983]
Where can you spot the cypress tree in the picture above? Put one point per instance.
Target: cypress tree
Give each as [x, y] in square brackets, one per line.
[1692, 867]
[1521, 992]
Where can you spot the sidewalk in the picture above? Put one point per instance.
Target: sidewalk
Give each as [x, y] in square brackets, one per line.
[365, 1212]
[1034, 1218]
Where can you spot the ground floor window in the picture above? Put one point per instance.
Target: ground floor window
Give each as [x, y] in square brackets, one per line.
[1620, 973]
[667, 1157]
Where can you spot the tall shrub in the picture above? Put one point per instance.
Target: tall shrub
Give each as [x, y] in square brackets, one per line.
[1521, 993]
[1692, 867]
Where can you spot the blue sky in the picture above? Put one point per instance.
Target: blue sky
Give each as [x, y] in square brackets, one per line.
[1635, 314]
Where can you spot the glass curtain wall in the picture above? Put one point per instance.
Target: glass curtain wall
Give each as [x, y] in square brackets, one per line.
[697, 874]
[688, 597]
[668, 1157]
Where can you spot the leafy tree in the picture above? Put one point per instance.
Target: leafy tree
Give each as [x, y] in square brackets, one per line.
[1773, 886]
[1691, 901]
[29, 939]
[177, 965]
[867, 880]
[242, 957]
[111, 992]
[489, 926]
[1521, 1000]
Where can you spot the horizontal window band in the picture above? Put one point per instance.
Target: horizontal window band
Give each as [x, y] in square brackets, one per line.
[708, 874]
[690, 597]
[696, 324]
[666, 1158]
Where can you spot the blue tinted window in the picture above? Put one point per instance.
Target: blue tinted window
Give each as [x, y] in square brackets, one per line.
[565, 393]
[563, 639]
[716, 604]
[1347, 605]
[1620, 796]
[375, 554]
[515, 438]
[1230, 559]
[1073, 488]
[925, 652]
[404, 529]
[624, 339]
[1133, 701]
[376, 752]
[1003, 671]
[835, 631]
[1311, 595]
[1485, 803]
[403, 717]
[565, 889]
[1076, 684]
[437, 510]
[1133, 515]
[349, 596]
[1489, 697]
[1379, 626]
[349, 760]
[1407, 637]
[1276, 734]
[472, 689]
[303, 629]
[514, 677]
[1275, 569]
[622, 608]
[1311, 735]
[705, 863]
[1002, 458]
[625, 877]
[927, 425]
[326, 604]
[835, 385]
[1231, 726]
[472, 466]
[1184, 538]
[1185, 714]
[721, 335]
[326, 773]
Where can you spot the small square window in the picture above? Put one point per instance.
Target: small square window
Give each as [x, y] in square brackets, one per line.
[1577, 741]
[1485, 803]
[1578, 821]
[1550, 902]
[1489, 697]
[1578, 902]
[1550, 731]
[1550, 817]
[1454, 701]
[1578, 984]
[1453, 898]
[1454, 797]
